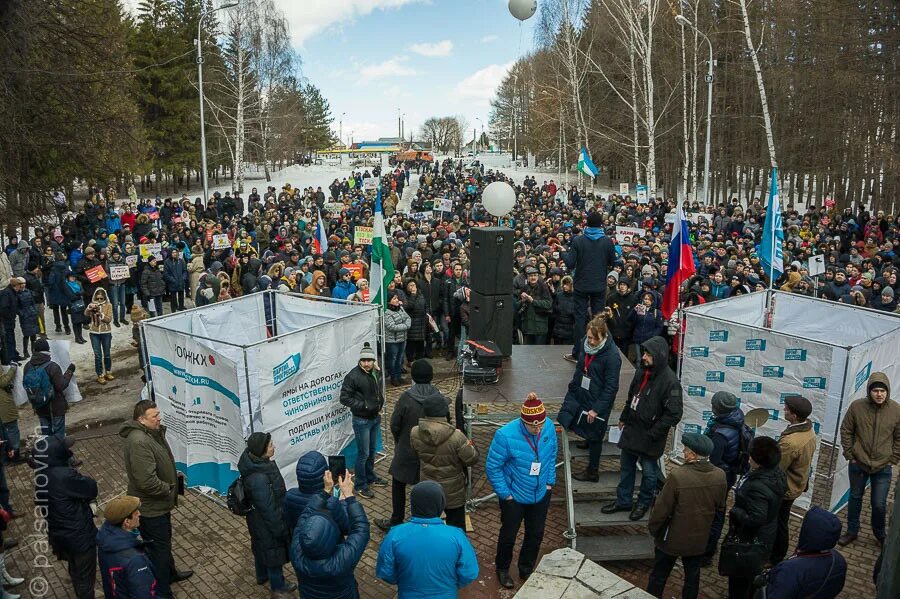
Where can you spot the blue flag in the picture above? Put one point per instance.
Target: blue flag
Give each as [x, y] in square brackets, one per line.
[771, 249]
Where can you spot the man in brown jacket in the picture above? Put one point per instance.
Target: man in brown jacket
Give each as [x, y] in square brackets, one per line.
[798, 444]
[683, 514]
[870, 438]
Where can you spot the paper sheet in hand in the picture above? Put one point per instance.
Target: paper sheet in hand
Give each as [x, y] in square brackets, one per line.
[614, 434]
[59, 353]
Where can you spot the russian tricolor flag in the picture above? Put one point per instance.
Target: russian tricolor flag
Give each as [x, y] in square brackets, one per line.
[320, 241]
[681, 263]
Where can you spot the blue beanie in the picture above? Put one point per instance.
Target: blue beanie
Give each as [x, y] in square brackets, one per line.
[311, 468]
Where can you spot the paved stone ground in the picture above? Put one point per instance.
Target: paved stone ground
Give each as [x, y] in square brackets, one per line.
[215, 544]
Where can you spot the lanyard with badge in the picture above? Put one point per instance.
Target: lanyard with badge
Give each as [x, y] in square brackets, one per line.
[585, 379]
[535, 469]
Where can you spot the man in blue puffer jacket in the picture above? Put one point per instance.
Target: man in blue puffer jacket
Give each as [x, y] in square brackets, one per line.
[324, 563]
[521, 467]
[124, 565]
[424, 557]
[312, 468]
[817, 570]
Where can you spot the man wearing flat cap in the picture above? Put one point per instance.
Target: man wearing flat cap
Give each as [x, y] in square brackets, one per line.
[683, 514]
[798, 444]
[124, 566]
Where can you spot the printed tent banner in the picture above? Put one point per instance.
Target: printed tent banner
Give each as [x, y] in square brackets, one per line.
[272, 362]
[819, 349]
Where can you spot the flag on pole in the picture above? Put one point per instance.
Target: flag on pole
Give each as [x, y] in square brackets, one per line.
[382, 271]
[771, 249]
[320, 241]
[586, 165]
[681, 263]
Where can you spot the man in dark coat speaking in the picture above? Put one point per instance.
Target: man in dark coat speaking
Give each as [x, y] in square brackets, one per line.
[591, 255]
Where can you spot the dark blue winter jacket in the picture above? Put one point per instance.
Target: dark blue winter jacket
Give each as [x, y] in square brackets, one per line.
[603, 374]
[124, 567]
[427, 559]
[817, 570]
[649, 324]
[725, 432]
[56, 295]
[175, 275]
[591, 260]
[323, 562]
[311, 468]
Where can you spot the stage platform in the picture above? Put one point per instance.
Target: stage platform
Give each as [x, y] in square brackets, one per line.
[538, 368]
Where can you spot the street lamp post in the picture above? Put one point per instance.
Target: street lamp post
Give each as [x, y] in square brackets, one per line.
[684, 22]
[199, 43]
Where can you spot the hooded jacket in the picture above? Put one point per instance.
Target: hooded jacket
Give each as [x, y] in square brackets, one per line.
[603, 374]
[591, 260]
[658, 407]
[150, 467]
[396, 323]
[313, 290]
[102, 316]
[124, 567]
[620, 326]
[650, 323]
[310, 470]
[817, 570]
[265, 490]
[870, 434]
[59, 380]
[444, 453]
[323, 562]
[70, 522]
[406, 415]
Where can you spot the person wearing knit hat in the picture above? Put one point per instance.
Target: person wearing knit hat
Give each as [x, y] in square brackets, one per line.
[683, 513]
[362, 393]
[425, 557]
[757, 499]
[798, 445]
[590, 257]
[265, 491]
[408, 410]
[122, 555]
[521, 467]
[869, 433]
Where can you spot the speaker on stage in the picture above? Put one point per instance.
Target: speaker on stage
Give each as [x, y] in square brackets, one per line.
[491, 319]
[491, 267]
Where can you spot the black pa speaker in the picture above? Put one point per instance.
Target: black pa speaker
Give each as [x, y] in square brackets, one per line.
[491, 319]
[491, 252]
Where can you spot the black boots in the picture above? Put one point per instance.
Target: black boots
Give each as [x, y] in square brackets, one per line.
[591, 475]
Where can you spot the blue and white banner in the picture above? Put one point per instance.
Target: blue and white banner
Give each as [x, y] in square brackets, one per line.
[300, 380]
[761, 368]
[196, 390]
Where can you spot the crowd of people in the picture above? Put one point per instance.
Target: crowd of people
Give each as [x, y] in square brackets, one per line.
[577, 283]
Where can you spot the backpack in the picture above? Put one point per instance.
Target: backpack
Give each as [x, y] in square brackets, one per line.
[38, 387]
[236, 499]
[741, 464]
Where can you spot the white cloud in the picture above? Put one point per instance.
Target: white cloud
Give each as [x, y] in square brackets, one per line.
[480, 86]
[489, 39]
[392, 67]
[366, 131]
[310, 17]
[442, 48]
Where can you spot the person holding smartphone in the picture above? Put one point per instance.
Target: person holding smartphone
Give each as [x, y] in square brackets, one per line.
[314, 475]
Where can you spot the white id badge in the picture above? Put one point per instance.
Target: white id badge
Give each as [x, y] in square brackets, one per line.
[586, 383]
[535, 469]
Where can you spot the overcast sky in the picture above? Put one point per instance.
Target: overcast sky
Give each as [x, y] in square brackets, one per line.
[426, 57]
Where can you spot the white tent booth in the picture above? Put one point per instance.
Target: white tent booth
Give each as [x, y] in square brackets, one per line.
[271, 362]
[820, 349]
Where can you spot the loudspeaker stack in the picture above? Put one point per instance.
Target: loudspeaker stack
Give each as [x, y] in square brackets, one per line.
[491, 282]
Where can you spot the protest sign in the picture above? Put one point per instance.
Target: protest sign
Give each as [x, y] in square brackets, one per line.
[446, 205]
[418, 215]
[95, 274]
[131, 260]
[623, 189]
[630, 232]
[118, 272]
[220, 241]
[370, 183]
[356, 270]
[334, 206]
[642, 194]
[148, 249]
[363, 235]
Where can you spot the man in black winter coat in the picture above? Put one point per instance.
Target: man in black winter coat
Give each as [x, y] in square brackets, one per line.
[67, 500]
[590, 256]
[652, 407]
[361, 392]
[405, 464]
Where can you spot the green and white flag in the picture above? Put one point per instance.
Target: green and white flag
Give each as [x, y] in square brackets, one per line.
[382, 270]
[585, 165]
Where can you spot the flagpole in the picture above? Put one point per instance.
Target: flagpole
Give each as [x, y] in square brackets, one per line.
[774, 221]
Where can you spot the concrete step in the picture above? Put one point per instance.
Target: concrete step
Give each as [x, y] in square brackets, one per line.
[587, 513]
[611, 548]
[607, 485]
[609, 450]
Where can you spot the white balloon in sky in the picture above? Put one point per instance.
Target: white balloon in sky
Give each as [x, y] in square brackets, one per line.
[498, 198]
[522, 9]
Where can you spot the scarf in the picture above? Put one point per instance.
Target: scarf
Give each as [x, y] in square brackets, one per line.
[594, 233]
[592, 350]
